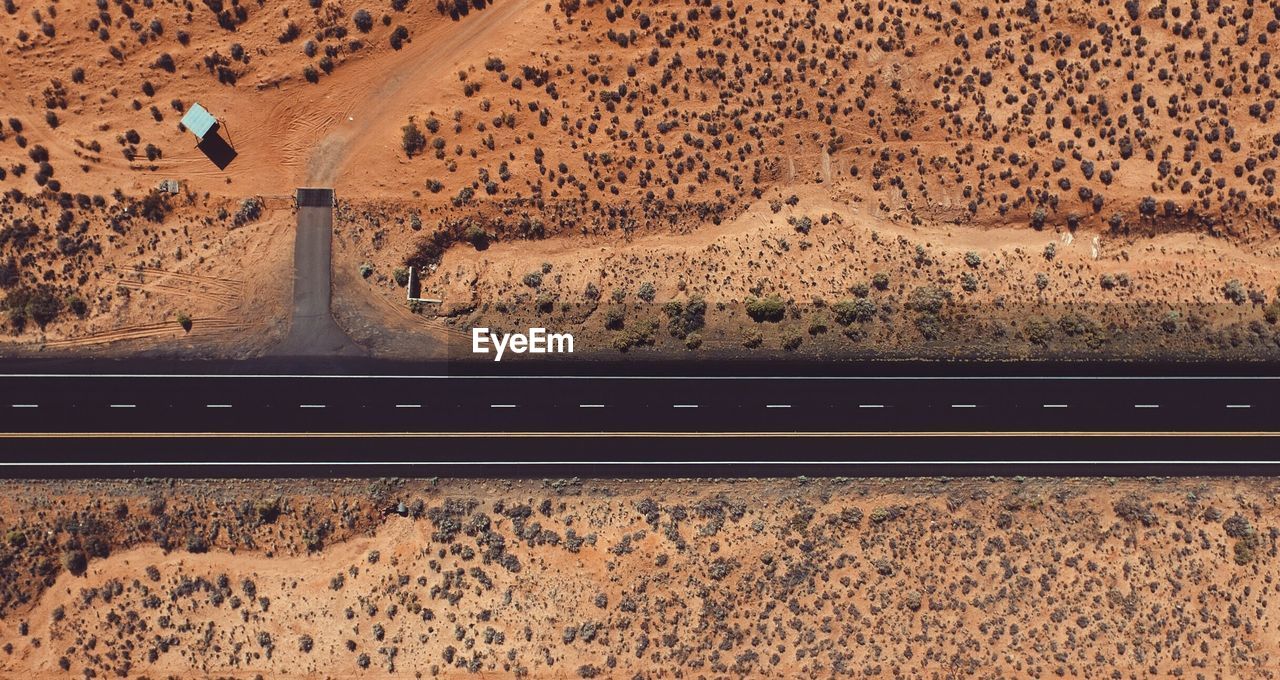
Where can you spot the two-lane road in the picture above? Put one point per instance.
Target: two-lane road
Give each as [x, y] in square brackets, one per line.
[190, 419]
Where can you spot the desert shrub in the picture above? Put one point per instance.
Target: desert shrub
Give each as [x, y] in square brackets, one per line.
[154, 206]
[363, 20]
[184, 320]
[1038, 218]
[693, 341]
[1131, 508]
[289, 32]
[1050, 251]
[615, 317]
[476, 236]
[684, 319]
[1038, 331]
[250, 210]
[927, 299]
[972, 259]
[1233, 290]
[399, 36]
[532, 279]
[880, 281]
[366, 270]
[412, 139]
[75, 562]
[791, 340]
[401, 276]
[9, 273]
[849, 311]
[647, 292]
[771, 308]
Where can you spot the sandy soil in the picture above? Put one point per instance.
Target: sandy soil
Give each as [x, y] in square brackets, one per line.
[609, 578]
[660, 145]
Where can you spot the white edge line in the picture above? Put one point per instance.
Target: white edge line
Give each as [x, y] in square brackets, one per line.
[1146, 405]
[778, 406]
[590, 405]
[217, 405]
[1239, 405]
[187, 463]
[408, 405]
[684, 406]
[25, 406]
[124, 406]
[964, 406]
[311, 405]
[1055, 406]
[870, 405]
[502, 405]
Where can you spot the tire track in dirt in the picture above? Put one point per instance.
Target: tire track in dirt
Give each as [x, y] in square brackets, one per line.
[165, 329]
[227, 291]
[434, 52]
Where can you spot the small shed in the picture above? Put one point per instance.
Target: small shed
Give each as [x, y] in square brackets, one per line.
[199, 121]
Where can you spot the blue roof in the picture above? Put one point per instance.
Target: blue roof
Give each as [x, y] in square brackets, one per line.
[199, 121]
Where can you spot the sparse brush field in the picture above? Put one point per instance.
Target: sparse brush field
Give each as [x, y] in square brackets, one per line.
[655, 579]
[1110, 165]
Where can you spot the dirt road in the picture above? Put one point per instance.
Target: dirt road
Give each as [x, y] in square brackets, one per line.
[386, 100]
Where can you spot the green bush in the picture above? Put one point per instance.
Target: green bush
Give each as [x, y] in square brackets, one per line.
[849, 311]
[771, 308]
[401, 276]
[647, 292]
[184, 320]
[880, 281]
[615, 317]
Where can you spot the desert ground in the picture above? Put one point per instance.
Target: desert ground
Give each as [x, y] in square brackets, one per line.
[1021, 178]
[930, 578]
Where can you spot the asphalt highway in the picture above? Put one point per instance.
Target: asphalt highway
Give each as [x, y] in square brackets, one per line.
[376, 418]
